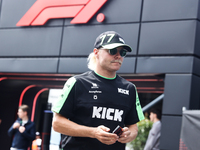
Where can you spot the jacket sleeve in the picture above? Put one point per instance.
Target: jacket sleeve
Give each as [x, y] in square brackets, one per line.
[11, 131]
[29, 132]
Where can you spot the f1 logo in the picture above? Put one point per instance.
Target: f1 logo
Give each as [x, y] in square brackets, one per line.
[43, 10]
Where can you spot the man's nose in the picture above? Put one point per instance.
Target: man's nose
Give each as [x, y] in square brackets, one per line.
[118, 54]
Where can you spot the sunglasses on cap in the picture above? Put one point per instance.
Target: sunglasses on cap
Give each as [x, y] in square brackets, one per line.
[114, 51]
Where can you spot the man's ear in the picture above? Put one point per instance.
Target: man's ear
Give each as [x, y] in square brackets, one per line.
[26, 113]
[95, 50]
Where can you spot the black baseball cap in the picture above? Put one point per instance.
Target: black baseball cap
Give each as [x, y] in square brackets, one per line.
[110, 40]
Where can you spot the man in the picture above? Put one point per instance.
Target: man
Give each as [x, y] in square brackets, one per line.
[93, 104]
[153, 140]
[22, 129]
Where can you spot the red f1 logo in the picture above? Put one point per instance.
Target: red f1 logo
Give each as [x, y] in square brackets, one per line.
[43, 10]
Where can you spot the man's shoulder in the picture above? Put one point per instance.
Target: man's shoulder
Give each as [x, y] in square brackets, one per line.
[124, 81]
[30, 122]
[157, 125]
[84, 76]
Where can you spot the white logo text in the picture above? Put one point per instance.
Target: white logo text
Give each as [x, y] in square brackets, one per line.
[123, 91]
[107, 113]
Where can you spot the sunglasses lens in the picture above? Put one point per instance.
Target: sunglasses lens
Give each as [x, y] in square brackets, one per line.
[123, 52]
[113, 51]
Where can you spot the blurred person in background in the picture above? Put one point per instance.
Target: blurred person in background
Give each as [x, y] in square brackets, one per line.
[153, 140]
[22, 130]
[36, 144]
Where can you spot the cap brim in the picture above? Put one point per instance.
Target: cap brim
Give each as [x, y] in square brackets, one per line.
[114, 45]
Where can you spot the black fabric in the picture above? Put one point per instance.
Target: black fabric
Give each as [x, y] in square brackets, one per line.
[94, 101]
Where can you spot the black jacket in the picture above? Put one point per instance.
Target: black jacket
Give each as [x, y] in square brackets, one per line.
[22, 140]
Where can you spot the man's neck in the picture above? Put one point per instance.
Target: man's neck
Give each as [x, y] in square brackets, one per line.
[155, 120]
[25, 118]
[105, 73]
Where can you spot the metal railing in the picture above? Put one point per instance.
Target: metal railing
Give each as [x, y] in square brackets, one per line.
[152, 103]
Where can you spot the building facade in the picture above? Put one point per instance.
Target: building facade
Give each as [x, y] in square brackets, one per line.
[51, 44]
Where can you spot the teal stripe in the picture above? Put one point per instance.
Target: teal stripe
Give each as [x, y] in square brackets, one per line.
[138, 107]
[66, 90]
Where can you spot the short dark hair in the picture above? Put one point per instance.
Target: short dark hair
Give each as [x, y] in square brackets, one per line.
[157, 112]
[24, 108]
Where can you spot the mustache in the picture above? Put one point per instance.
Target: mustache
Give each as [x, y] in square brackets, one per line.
[114, 61]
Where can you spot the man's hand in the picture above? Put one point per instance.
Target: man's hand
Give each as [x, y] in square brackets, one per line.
[21, 129]
[125, 137]
[129, 134]
[16, 125]
[103, 135]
